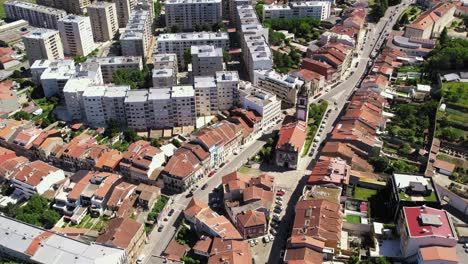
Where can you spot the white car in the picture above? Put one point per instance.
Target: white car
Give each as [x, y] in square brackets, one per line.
[279, 198]
[279, 202]
[255, 241]
[140, 259]
[251, 242]
[271, 237]
[266, 239]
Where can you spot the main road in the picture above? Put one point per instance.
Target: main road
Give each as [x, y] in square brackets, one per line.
[339, 94]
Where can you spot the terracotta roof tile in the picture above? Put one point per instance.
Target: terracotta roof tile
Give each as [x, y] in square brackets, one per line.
[120, 232]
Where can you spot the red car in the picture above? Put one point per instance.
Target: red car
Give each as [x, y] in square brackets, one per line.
[279, 193]
[211, 173]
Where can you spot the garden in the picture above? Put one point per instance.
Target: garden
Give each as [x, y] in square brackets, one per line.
[452, 121]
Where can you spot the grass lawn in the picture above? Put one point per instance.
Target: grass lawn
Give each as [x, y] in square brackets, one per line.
[2, 10]
[47, 107]
[244, 170]
[353, 219]
[361, 193]
[456, 93]
[405, 69]
[431, 198]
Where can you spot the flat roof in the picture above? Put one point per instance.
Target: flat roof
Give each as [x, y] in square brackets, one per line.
[159, 94]
[183, 91]
[204, 82]
[135, 96]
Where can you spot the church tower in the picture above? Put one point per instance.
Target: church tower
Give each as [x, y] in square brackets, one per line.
[302, 103]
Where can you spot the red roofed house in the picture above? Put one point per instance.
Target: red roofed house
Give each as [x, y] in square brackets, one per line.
[35, 177]
[321, 68]
[140, 161]
[292, 136]
[6, 59]
[232, 252]
[319, 219]
[436, 254]
[444, 167]
[75, 153]
[8, 99]
[251, 224]
[423, 226]
[9, 166]
[220, 140]
[23, 141]
[376, 83]
[431, 23]
[182, 170]
[126, 234]
[330, 171]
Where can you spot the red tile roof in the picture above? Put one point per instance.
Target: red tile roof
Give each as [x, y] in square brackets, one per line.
[444, 165]
[232, 252]
[293, 134]
[175, 251]
[120, 232]
[34, 173]
[303, 255]
[251, 218]
[182, 164]
[330, 170]
[439, 254]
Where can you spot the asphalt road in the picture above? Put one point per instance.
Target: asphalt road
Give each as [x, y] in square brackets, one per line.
[158, 241]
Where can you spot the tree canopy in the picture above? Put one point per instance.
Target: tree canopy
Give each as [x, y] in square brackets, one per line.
[134, 78]
[450, 54]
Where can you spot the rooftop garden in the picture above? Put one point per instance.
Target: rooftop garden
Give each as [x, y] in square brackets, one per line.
[353, 219]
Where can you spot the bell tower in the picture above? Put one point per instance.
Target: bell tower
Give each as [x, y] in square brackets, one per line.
[302, 103]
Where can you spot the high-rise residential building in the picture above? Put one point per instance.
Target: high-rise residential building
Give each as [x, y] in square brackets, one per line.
[179, 42]
[77, 7]
[36, 15]
[215, 93]
[187, 14]
[256, 53]
[104, 22]
[77, 35]
[183, 101]
[206, 60]
[124, 9]
[284, 86]
[54, 78]
[165, 61]
[136, 38]
[109, 65]
[163, 78]
[314, 9]
[43, 44]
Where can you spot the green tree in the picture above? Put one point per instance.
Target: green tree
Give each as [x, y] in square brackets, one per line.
[176, 143]
[405, 149]
[10, 209]
[157, 9]
[404, 20]
[187, 56]
[275, 38]
[259, 9]
[353, 260]
[380, 164]
[134, 78]
[175, 29]
[22, 115]
[37, 212]
[226, 56]
[444, 38]
[304, 29]
[131, 135]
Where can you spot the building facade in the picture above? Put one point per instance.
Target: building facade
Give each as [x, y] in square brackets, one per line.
[188, 14]
[76, 35]
[36, 15]
[43, 44]
[104, 22]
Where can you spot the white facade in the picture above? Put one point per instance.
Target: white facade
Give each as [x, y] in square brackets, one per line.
[183, 98]
[114, 104]
[177, 43]
[165, 61]
[55, 76]
[137, 36]
[163, 78]
[36, 15]
[313, 9]
[104, 22]
[109, 65]
[206, 60]
[187, 14]
[43, 44]
[265, 104]
[124, 9]
[254, 41]
[76, 35]
[284, 86]
[227, 84]
[215, 93]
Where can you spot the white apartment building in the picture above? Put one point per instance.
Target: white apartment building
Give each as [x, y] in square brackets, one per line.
[76, 35]
[206, 60]
[54, 78]
[313, 9]
[178, 42]
[124, 9]
[233, 4]
[187, 14]
[43, 44]
[160, 108]
[137, 36]
[206, 95]
[165, 61]
[227, 84]
[254, 41]
[36, 15]
[104, 22]
[215, 93]
[109, 65]
[284, 86]
[163, 78]
[264, 103]
[103, 104]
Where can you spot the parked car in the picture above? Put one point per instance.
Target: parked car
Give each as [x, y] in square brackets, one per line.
[255, 241]
[279, 203]
[279, 198]
[273, 232]
[211, 173]
[160, 228]
[266, 239]
[171, 212]
[271, 237]
[251, 242]
[276, 216]
[140, 259]
[279, 193]
[204, 186]
[277, 210]
[190, 194]
[279, 207]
